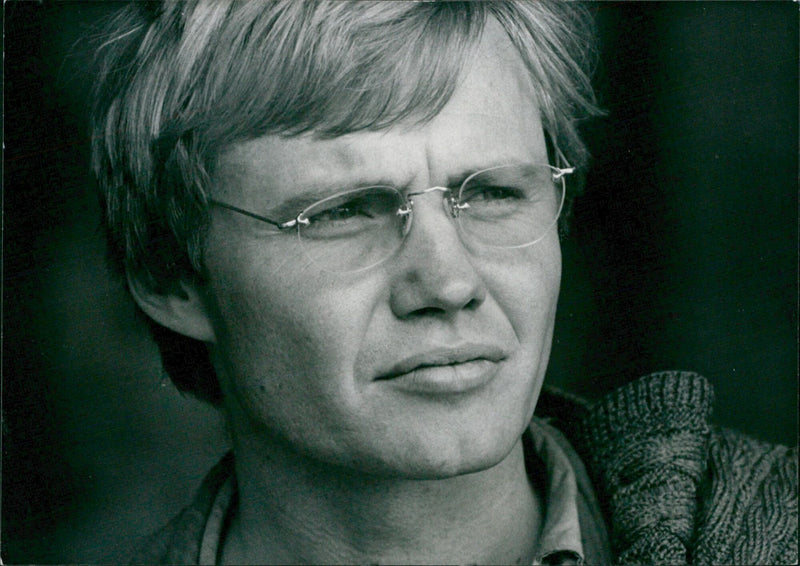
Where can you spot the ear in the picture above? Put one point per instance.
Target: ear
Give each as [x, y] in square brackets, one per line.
[182, 309]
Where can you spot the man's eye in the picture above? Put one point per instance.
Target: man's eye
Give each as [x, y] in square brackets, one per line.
[361, 207]
[488, 194]
[339, 213]
[348, 216]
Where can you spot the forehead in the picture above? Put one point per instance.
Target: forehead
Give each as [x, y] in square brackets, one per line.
[491, 119]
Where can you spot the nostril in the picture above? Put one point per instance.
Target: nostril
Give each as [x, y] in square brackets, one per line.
[438, 311]
[428, 311]
[473, 304]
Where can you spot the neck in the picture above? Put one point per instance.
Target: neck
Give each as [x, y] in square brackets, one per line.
[292, 510]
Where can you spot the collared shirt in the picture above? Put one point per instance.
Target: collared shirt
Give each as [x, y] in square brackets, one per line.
[560, 541]
[560, 538]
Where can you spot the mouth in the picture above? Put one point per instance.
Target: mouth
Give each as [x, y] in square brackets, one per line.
[446, 370]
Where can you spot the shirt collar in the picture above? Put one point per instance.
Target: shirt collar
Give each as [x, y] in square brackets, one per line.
[560, 538]
[215, 525]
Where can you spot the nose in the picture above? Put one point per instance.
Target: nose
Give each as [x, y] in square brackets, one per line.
[433, 273]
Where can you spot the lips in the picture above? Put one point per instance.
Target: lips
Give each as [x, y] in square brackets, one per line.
[443, 370]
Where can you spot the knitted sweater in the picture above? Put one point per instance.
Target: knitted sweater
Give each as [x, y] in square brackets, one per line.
[675, 489]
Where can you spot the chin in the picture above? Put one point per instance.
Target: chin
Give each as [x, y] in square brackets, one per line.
[441, 469]
[444, 456]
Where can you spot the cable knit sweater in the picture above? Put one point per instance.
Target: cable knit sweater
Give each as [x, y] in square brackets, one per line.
[674, 488]
[677, 490]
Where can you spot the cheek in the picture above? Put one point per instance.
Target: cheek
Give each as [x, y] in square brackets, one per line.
[286, 322]
[529, 300]
[286, 349]
[526, 286]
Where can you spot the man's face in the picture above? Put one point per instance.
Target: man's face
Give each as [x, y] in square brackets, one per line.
[304, 355]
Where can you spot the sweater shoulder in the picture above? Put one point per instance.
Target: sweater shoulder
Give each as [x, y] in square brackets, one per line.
[750, 507]
[676, 487]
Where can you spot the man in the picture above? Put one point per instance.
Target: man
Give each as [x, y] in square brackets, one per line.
[341, 219]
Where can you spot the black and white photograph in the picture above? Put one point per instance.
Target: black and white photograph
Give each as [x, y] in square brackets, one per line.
[400, 282]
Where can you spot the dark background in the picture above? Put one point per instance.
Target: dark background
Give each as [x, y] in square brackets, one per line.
[682, 255]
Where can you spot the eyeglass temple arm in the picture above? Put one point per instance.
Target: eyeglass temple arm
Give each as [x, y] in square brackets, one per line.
[280, 225]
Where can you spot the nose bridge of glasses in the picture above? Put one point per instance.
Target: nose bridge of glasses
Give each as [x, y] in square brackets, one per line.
[447, 201]
[429, 190]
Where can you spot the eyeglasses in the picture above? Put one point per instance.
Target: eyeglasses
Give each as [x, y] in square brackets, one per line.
[510, 206]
